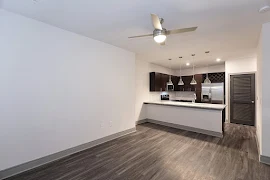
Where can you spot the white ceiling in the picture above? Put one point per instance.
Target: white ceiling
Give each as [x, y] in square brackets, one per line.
[228, 28]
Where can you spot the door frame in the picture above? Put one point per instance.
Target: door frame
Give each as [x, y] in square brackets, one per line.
[228, 98]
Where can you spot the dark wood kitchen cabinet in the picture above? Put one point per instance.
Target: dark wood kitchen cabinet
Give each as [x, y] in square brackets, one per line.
[187, 86]
[155, 81]
[215, 77]
[164, 80]
[158, 81]
[175, 80]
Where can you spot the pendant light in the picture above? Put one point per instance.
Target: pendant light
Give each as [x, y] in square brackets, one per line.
[170, 77]
[180, 83]
[193, 81]
[207, 80]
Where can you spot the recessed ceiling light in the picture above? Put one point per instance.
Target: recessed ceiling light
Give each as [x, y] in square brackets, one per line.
[187, 64]
[218, 59]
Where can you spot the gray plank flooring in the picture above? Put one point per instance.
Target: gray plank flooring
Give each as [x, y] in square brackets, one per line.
[162, 153]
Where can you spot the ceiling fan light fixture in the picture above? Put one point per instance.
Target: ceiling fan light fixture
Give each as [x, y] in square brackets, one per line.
[159, 35]
[160, 38]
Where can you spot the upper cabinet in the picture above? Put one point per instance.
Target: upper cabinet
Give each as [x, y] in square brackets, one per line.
[158, 82]
[187, 86]
[215, 77]
[175, 80]
[164, 80]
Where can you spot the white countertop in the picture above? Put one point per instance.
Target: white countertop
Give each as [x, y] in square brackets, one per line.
[189, 104]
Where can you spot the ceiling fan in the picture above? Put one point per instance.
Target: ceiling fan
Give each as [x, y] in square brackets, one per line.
[160, 34]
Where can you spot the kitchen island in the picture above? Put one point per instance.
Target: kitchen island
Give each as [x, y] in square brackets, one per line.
[197, 117]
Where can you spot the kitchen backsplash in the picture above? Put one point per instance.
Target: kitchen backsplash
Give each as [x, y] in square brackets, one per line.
[181, 95]
[185, 95]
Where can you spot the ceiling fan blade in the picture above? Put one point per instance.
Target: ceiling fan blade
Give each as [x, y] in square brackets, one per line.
[156, 22]
[141, 36]
[162, 44]
[176, 31]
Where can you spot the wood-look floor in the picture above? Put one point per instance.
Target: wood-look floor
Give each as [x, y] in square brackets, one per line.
[158, 152]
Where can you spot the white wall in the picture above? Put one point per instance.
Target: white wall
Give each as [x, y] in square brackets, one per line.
[142, 86]
[160, 69]
[237, 66]
[259, 95]
[201, 70]
[265, 87]
[58, 89]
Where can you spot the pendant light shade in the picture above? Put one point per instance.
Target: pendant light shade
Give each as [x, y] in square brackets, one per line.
[170, 81]
[193, 81]
[170, 77]
[207, 80]
[180, 83]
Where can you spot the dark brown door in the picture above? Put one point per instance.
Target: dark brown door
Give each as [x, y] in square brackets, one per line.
[242, 99]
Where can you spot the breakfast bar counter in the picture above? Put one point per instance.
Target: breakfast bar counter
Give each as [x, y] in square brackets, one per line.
[197, 117]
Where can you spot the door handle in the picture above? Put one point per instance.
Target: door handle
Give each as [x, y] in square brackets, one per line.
[252, 102]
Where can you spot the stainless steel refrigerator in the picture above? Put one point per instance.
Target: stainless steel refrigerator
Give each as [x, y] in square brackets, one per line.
[213, 93]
